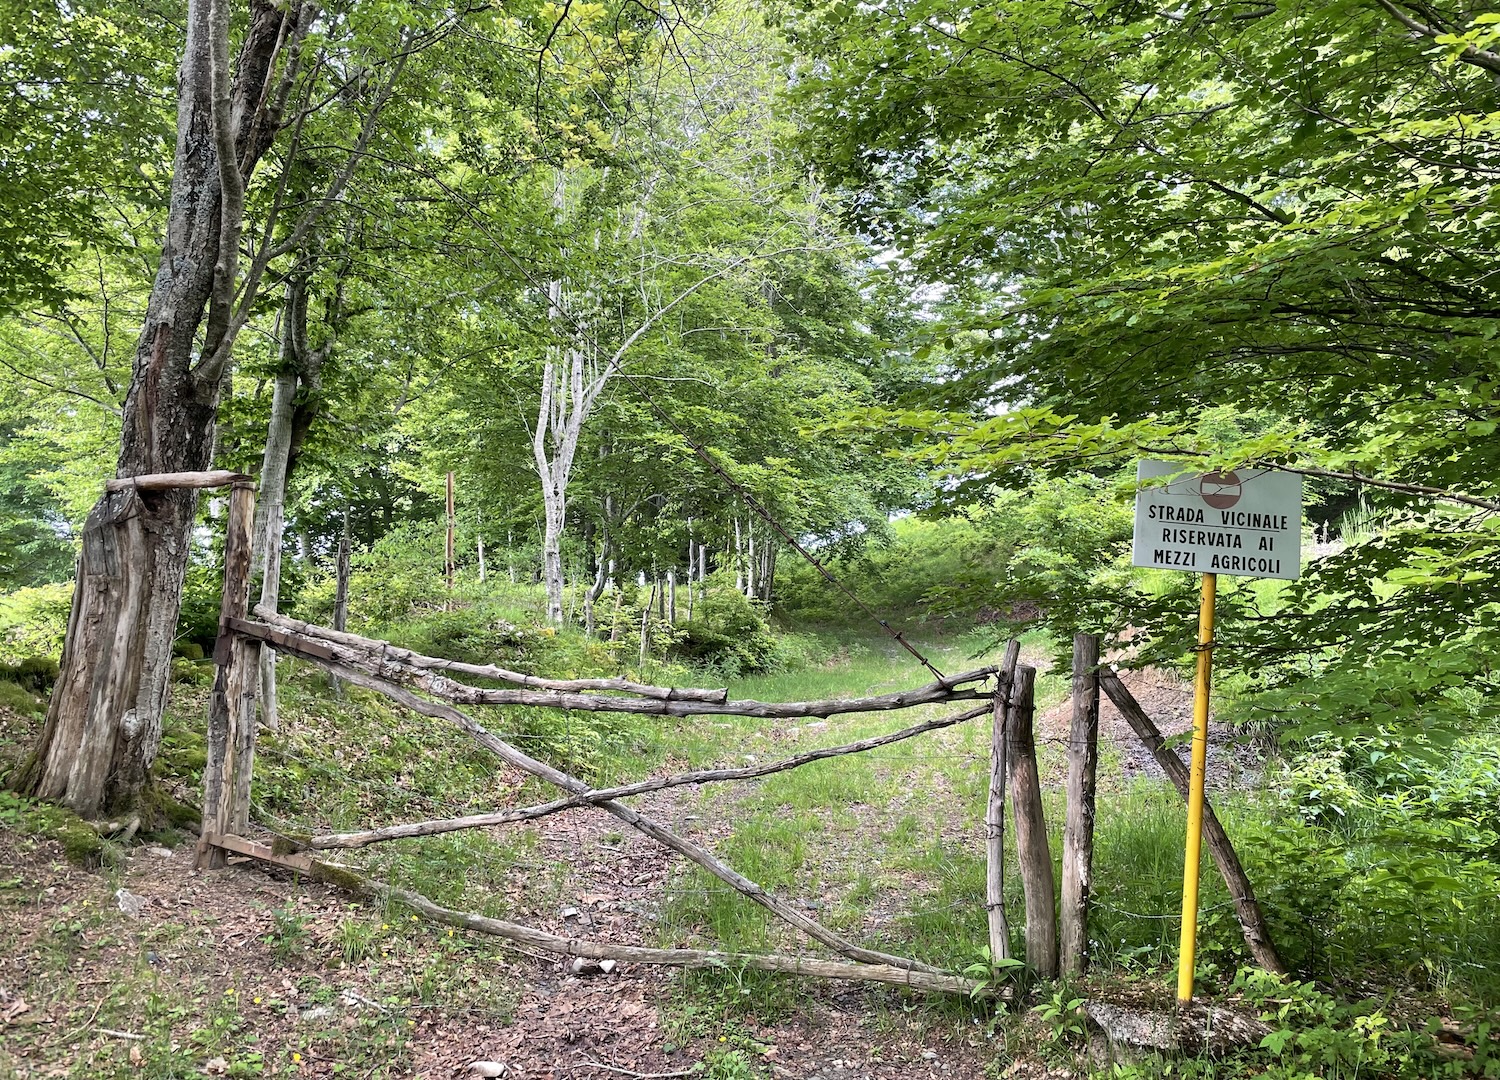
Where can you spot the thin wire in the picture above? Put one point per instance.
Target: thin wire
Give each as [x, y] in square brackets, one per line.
[755, 504]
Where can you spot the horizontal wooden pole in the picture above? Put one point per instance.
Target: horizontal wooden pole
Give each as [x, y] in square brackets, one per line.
[352, 880]
[380, 659]
[169, 480]
[598, 795]
[417, 661]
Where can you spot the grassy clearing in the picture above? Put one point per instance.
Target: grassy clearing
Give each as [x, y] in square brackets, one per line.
[886, 847]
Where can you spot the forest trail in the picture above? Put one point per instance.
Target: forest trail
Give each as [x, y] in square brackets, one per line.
[204, 942]
[324, 990]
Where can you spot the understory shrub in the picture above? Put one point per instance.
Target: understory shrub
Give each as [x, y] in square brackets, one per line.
[1376, 875]
[18, 698]
[473, 634]
[728, 633]
[35, 673]
[1018, 554]
[33, 622]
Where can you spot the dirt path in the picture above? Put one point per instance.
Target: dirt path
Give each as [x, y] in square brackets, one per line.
[71, 963]
[1168, 700]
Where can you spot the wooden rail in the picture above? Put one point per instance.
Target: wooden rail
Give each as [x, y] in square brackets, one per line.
[382, 660]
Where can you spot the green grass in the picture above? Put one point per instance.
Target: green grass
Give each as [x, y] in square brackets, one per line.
[885, 847]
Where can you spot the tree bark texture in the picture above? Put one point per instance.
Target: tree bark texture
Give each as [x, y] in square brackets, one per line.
[270, 523]
[103, 726]
[1078, 832]
[1032, 852]
[1252, 921]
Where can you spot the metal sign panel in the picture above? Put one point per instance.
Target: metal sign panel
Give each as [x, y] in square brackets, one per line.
[1246, 522]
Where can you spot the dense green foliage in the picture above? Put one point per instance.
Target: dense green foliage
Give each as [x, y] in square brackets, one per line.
[920, 278]
[1147, 220]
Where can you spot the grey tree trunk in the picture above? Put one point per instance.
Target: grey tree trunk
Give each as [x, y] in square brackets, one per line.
[295, 402]
[103, 726]
[575, 374]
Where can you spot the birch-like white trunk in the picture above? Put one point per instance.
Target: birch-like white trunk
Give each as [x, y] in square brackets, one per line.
[270, 523]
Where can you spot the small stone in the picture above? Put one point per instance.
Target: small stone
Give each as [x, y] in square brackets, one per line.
[607, 966]
[570, 913]
[488, 1068]
[160, 852]
[929, 1055]
[316, 1013]
[130, 903]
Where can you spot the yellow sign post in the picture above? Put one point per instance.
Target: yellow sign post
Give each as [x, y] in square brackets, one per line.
[1189, 941]
[1248, 523]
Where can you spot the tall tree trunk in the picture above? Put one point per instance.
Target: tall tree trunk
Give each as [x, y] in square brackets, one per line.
[295, 403]
[750, 567]
[554, 513]
[270, 513]
[604, 567]
[739, 560]
[341, 594]
[103, 726]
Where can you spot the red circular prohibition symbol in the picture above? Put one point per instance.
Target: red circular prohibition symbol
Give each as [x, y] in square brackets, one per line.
[1220, 490]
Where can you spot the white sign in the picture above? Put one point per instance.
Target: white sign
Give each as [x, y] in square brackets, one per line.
[1247, 522]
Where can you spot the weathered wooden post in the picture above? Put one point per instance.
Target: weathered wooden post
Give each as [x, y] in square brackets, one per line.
[1078, 832]
[231, 707]
[1037, 882]
[1252, 922]
[341, 595]
[994, 815]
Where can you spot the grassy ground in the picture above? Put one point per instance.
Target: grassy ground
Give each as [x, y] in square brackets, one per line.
[886, 847]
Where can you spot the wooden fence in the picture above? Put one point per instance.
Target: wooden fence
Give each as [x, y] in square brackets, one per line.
[433, 687]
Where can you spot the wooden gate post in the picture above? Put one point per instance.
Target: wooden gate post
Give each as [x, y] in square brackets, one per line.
[231, 707]
[994, 814]
[1037, 882]
[1078, 833]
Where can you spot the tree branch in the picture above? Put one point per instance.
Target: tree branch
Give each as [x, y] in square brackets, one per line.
[641, 787]
[1470, 55]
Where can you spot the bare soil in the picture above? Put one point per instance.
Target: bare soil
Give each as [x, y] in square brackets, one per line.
[71, 959]
[88, 988]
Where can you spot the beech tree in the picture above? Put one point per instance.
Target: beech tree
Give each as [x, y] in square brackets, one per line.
[103, 724]
[1234, 233]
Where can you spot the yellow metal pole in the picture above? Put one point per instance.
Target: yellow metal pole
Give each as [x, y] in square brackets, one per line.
[1189, 942]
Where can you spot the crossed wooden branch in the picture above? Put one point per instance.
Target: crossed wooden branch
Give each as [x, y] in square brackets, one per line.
[394, 672]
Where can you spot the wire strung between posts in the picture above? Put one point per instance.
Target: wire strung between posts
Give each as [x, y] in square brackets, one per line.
[755, 504]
